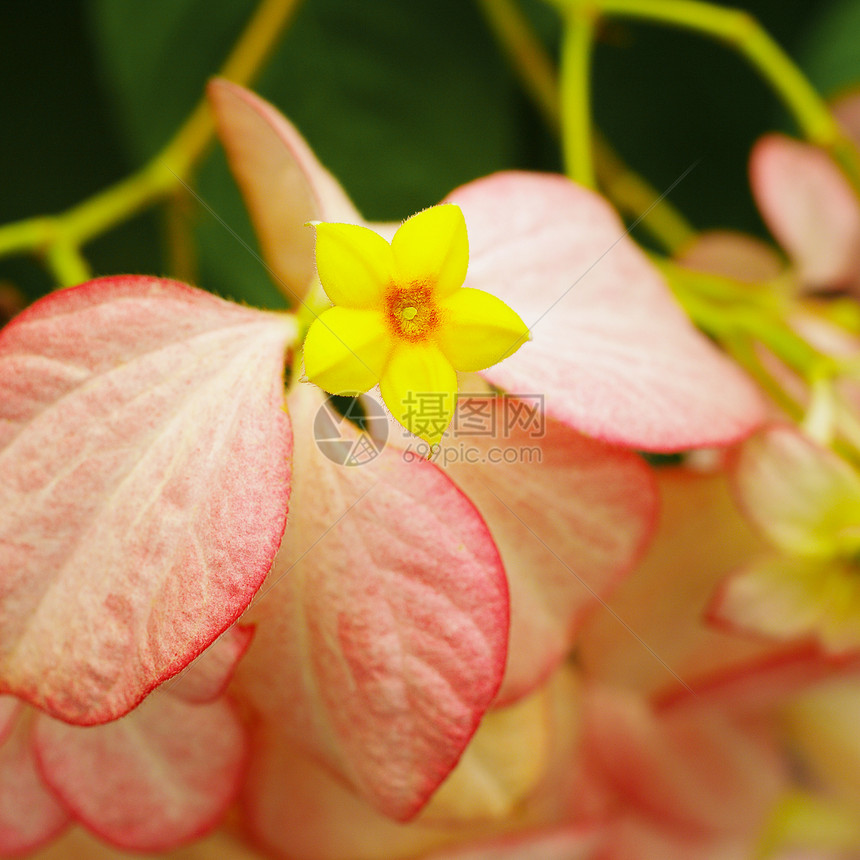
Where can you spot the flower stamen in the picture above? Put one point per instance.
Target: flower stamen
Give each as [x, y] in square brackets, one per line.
[412, 311]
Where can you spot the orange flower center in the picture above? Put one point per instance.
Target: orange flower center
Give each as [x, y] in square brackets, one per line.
[411, 311]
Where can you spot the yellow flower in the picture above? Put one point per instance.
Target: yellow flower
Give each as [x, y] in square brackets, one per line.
[403, 319]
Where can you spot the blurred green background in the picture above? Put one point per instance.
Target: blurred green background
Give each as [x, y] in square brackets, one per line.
[401, 99]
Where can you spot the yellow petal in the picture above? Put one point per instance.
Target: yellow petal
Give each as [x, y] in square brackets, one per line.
[419, 387]
[346, 350]
[501, 766]
[788, 597]
[478, 330]
[353, 264]
[432, 248]
[822, 723]
[804, 497]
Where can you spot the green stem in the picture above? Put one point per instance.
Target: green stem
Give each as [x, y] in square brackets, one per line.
[848, 427]
[61, 236]
[743, 33]
[720, 288]
[630, 192]
[819, 420]
[179, 240]
[738, 319]
[575, 93]
[67, 264]
[725, 310]
[26, 235]
[116, 203]
[633, 197]
[742, 349]
[249, 55]
[527, 56]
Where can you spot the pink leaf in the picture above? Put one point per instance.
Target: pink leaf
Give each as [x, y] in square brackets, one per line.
[382, 637]
[555, 843]
[732, 255]
[79, 844]
[283, 184]
[636, 837]
[570, 516]
[155, 779]
[506, 762]
[763, 683]
[10, 707]
[692, 770]
[657, 633]
[296, 808]
[30, 816]
[145, 459]
[207, 676]
[613, 353]
[809, 207]
[847, 110]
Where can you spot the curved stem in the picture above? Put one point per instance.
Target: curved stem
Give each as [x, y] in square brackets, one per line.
[117, 202]
[739, 318]
[634, 196]
[527, 56]
[575, 93]
[27, 235]
[67, 264]
[249, 55]
[743, 33]
[742, 349]
[725, 309]
[848, 426]
[819, 420]
[61, 236]
[630, 192]
[181, 253]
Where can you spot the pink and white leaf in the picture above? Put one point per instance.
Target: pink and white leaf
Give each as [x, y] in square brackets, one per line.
[30, 815]
[283, 184]
[382, 638]
[570, 516]
[145, 458]
[207, 676]
[153, 780]
[809, 207]
[804, 498]
[611, 350]
[732, 255]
